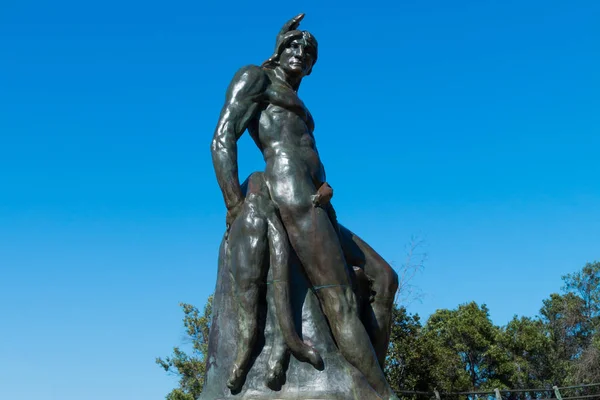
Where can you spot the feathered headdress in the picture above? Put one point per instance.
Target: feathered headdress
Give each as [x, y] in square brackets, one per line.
[288, 33]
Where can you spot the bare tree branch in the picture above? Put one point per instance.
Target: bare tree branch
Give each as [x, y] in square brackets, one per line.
[414, 263]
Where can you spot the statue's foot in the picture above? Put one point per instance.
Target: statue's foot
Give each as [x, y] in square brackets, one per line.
[276, 376]
[277, 365]
[315, 359]
[236, 378]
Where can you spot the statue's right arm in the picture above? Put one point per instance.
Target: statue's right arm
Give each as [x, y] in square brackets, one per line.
[242, 104]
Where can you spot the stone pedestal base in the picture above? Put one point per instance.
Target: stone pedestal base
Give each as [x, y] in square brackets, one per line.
[337, 381]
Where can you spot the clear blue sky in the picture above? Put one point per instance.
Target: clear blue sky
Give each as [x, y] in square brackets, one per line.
[475, 124]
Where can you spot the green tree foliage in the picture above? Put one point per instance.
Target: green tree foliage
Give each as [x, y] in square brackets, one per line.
[525, 349]
[456, 350]
[587, 368]
[586, 285]
[462, 350]
[563, 319]
[190, 368]
[464, 347]
[408, 358]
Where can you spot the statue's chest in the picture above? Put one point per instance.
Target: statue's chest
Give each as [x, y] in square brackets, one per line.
[280, 97]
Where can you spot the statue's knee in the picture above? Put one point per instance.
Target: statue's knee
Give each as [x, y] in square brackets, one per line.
[350, 305]
[393, 280]
[386, 280]
[340, 302]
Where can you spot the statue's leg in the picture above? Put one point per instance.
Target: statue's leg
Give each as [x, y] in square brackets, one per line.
[248, 262]
[385, 284]
[279, 250]
[316, 242]
[280, 354]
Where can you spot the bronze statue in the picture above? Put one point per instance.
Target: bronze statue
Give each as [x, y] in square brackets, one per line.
[264, 101]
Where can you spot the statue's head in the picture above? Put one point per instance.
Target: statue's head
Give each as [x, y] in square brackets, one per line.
[295, 50]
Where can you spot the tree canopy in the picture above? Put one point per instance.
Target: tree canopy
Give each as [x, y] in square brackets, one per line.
[190, 369]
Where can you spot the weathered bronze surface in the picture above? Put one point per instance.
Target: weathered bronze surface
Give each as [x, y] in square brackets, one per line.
[291, 278]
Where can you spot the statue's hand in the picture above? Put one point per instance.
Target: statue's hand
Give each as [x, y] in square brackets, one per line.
[232, 214]
[323, 196]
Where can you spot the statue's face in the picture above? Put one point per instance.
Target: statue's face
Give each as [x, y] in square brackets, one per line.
[297, 58]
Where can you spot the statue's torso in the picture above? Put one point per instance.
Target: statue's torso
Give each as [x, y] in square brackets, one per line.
[283, 131]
